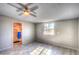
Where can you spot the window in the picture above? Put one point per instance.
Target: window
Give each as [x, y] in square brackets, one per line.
[49, 29]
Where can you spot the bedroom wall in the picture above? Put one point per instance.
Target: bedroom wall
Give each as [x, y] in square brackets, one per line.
[78, 35]
[6, 32]
[65, 34]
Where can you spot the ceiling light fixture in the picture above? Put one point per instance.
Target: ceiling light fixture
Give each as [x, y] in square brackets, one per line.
[26, 13]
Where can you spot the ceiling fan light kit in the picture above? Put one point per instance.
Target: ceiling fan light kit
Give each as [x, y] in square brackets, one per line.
[26, 13]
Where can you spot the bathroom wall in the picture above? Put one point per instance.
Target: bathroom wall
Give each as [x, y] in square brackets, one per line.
[65, 34]
[6, 32]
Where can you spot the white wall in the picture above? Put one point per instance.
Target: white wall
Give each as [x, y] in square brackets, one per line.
[65, 34]
[78, 34]
[78, 37]
[6, 32]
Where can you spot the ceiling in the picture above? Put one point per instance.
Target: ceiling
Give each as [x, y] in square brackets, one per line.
[46, 12]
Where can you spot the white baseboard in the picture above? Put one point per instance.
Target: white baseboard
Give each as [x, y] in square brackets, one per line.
[5, 48]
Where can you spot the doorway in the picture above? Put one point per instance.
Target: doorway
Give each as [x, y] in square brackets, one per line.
[17, 35]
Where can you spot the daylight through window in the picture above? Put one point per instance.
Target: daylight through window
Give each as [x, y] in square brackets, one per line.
[49, 29]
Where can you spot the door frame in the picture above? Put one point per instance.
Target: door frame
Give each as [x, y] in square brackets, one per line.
[13, 32]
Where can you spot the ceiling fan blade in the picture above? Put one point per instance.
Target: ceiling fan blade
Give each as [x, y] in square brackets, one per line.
[34, 12]
[18, 10]
[33, 8]
[28, 4]
[20, 14]
[33, 15]
[21, 4]
[14, 6]
[25, 7]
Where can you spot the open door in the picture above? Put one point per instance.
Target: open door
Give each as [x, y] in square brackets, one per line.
[17, 35]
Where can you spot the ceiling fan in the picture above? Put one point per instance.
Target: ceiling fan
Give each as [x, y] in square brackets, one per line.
[25, 10]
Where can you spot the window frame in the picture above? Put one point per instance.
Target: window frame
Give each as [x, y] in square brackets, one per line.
[48, 29]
